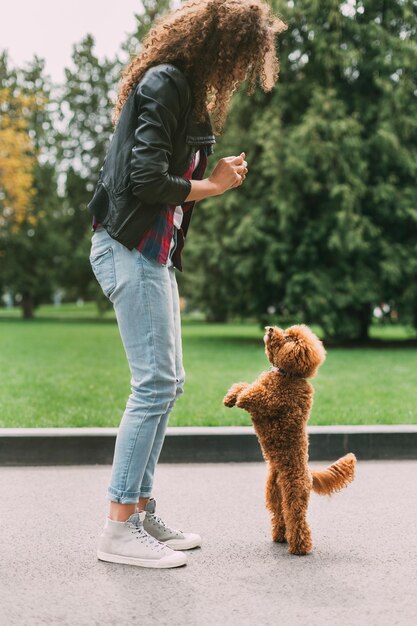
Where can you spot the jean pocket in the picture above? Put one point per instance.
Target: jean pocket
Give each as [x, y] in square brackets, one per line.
[104, 270]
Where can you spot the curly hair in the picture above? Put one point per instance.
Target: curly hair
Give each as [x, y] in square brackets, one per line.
[214, 42]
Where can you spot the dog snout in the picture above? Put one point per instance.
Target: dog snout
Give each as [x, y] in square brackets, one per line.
[269, 331]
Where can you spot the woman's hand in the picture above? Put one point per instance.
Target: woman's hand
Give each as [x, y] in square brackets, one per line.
[229, 172]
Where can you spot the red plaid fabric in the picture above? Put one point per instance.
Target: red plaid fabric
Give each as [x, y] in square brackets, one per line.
[156, 241]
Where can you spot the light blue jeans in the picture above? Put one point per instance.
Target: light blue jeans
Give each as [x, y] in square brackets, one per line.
[144, 294]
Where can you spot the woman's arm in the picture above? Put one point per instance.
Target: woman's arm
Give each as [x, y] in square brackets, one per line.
[160, 103]
[229, 172]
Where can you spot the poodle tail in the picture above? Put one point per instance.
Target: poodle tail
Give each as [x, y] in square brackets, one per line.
[334, 477]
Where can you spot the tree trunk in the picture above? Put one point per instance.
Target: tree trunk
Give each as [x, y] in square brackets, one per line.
[27, 306]
[217, 316]
[364, 323]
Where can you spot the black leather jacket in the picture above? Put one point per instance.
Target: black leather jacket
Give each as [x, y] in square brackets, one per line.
[153, 144]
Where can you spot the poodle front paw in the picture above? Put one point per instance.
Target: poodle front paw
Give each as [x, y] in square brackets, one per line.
[244, 401]
[230, 398]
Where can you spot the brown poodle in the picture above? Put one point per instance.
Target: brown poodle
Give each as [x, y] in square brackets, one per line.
[279, 403]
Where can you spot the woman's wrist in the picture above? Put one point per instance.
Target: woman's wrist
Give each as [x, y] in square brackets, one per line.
[201, 189]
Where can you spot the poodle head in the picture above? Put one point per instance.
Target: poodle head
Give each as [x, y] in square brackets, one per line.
[296, 350]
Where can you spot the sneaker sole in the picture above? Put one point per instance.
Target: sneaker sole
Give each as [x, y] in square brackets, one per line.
[130, 560]
[180, 544]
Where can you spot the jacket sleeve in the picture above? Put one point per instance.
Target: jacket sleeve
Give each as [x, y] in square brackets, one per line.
[160, 99]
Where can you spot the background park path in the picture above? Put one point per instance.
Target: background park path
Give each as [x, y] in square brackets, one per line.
[362, 570]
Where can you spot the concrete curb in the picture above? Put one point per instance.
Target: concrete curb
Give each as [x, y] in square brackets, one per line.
[76, 446]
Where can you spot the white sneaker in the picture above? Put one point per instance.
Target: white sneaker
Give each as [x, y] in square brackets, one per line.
[176, 539]
[128, 542]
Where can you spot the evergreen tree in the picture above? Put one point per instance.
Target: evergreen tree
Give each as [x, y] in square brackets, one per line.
[151, 9]
[85, 130]
[323, 228]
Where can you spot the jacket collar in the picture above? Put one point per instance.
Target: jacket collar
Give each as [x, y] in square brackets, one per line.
[197, 132]
[200, 133]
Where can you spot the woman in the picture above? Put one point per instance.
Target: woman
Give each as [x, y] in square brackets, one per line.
[190, 64]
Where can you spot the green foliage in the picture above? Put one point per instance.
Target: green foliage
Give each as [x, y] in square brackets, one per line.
[82, 143]
[29, 255]
[323, 229]
[72, 134]
[151, 9]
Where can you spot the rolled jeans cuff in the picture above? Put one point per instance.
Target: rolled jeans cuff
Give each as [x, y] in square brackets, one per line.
[123, 497]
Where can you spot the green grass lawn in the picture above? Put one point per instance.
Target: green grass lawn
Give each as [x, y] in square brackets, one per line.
[72, 371]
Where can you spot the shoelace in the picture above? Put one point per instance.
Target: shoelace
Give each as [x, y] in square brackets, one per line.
[155, 520]
[145, 537]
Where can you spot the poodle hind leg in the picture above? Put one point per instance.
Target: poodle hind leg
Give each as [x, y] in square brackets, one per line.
[274, 504]
[295, 498]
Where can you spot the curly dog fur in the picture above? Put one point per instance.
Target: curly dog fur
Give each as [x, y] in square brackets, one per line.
[279, 403]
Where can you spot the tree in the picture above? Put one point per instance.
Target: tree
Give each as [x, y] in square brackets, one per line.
[53, 140]
[28, 187]
[17, 158]
[151, 9]
[323, 228]
[84, 130]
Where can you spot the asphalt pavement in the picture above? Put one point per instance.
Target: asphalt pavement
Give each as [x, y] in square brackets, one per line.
[363, 569]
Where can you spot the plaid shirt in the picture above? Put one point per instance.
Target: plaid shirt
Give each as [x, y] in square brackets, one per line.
[156, 241]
